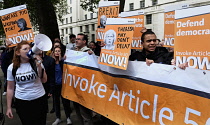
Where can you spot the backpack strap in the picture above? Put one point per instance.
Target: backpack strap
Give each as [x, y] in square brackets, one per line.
[33, 65]
[14, 70]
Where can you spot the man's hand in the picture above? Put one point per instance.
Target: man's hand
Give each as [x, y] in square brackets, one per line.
[173, 62]
[149, 62]
[49, 94]
[160, 44]
[183, 65]
[144, 29]
[102, 44]
[90, 52]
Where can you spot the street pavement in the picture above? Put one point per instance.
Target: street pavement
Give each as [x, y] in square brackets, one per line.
[50, 117]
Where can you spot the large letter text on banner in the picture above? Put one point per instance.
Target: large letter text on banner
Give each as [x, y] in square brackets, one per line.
[140, 95]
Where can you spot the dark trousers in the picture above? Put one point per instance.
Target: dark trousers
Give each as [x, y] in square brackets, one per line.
[32, 112]
[66, 103]
[83, 114]
[5, 84]
[46, 88]
[108, 121]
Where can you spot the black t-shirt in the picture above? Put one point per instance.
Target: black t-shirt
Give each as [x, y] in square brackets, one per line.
[160, 55]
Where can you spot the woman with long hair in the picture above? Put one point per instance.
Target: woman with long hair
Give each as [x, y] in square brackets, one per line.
[25, 77]
[49, 53]
[57, 55]
[55, 44]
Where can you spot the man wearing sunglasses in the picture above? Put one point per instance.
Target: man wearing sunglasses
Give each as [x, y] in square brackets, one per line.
[151, 53]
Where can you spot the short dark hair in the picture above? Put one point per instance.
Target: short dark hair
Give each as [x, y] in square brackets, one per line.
[57, 40]
[93, 43]
[85, 37]
[145, 33]
[72, 36]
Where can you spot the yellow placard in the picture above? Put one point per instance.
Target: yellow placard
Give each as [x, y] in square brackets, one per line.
[107, 9]
[117, 39]
[192, 34]
[139, 24]
[169, 23]
[17, 24]
[169, 29]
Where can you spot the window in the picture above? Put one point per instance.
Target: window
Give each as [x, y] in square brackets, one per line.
[93, 27]
[142, 4]
[149, 19]
[62, 21]
[91, 15]
[66, 20]
[66, 11]
[93, 37]
[70, 19]
[87, 28]
[70, 9]
[85, 16]
[154, 2]
[131, 6]
[66, 30]
[71, 31]
[62, 32]
[80, 29]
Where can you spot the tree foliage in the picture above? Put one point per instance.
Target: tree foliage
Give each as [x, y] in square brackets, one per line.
[61, 9]
[89, 5]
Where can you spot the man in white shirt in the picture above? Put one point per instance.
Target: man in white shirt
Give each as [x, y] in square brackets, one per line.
[71, 45]
[83, 113]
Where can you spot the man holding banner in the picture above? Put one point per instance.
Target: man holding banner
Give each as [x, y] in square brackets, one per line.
[83, 113]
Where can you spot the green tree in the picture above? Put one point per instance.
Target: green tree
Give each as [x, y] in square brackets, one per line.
[89, 5]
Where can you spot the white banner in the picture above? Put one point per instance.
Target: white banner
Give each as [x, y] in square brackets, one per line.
[141, 95]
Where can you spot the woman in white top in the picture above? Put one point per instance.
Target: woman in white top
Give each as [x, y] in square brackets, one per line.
[25, 77]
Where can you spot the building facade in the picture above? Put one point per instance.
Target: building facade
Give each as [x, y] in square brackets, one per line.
[80, 21]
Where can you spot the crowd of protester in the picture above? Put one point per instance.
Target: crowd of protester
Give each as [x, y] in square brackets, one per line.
[45, 72]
